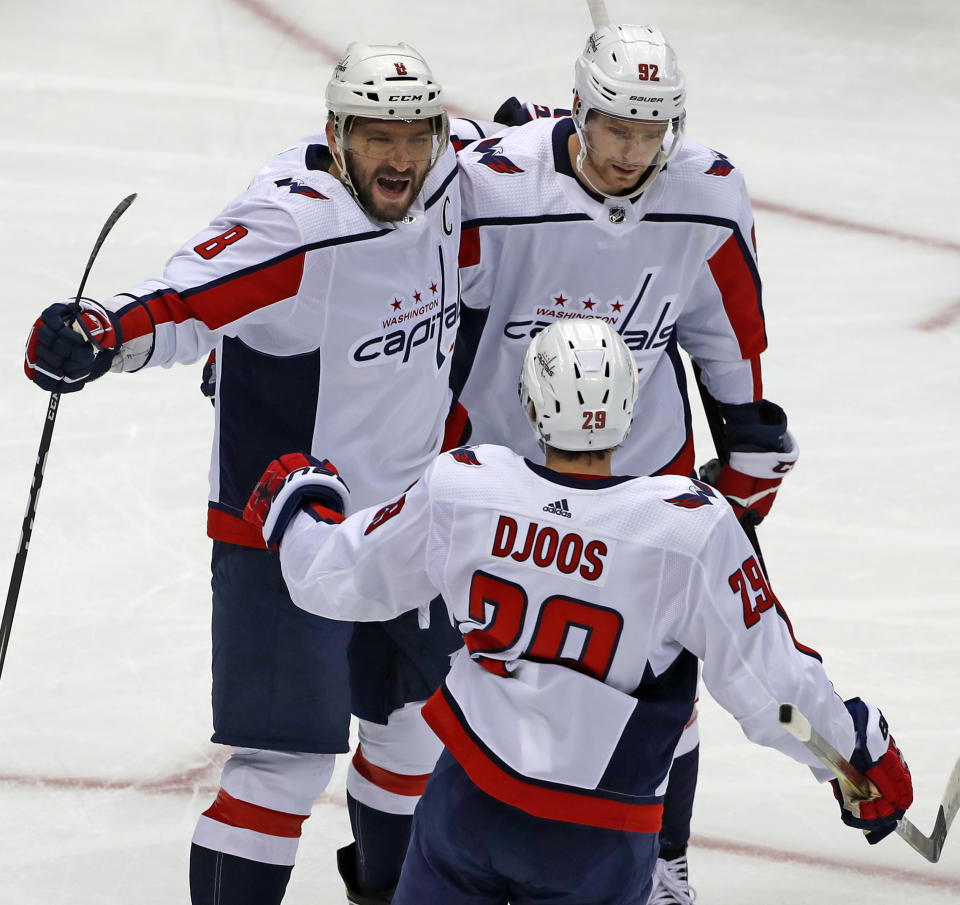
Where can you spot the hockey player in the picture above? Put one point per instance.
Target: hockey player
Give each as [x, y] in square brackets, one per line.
[585, 601]
[611, 214]
[329, 291]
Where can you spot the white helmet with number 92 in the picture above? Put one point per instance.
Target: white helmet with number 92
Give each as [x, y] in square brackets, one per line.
[581, 380]
[631, 73]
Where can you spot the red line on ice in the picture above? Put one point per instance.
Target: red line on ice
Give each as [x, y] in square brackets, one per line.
[769, 853]
[203, 779]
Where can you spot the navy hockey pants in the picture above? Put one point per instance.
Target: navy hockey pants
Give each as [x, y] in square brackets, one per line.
[470, 849]
[287, 680]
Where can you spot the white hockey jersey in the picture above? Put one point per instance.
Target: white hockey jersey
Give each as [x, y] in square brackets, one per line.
[584, 605]
[675, 266]
[333, 331]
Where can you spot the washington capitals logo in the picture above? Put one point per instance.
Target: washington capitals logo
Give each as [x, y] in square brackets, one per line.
[298, 188]
[701, 495]
[465, 456]
[721, 166]
[492, 156]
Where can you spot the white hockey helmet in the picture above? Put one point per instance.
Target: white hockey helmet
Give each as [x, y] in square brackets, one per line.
[386, 82]
[581, 379]
[630, 72]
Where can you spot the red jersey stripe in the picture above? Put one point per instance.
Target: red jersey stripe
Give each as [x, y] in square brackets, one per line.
[741, 297]
[541, 801]
[218, 303]
[470, 246]
[234, 812]
[232, 529]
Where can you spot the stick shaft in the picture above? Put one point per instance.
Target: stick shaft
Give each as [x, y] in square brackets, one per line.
[598, 12]
[26, 530]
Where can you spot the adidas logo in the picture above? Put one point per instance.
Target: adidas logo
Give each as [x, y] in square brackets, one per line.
[560, 507]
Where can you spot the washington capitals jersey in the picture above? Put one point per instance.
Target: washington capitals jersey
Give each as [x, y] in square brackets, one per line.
[673, 267]
[585, 605]
[333, 331]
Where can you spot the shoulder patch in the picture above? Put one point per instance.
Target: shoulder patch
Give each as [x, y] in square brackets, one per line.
[721, 166]
[700, 495]
[493, 156]
[298, 188]
[465, 456]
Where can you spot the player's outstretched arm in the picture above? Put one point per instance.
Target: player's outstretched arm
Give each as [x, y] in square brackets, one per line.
[70, 344]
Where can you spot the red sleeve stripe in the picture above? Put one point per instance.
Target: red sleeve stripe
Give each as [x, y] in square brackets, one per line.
[397, 783]
[739, 284]
[234, 812]
[757, 378]
[549, 802]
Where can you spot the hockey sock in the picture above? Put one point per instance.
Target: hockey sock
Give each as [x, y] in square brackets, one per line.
[382, 840]
[678, 804]
[220, 879]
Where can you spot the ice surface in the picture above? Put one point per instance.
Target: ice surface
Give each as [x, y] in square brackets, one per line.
[845, 119]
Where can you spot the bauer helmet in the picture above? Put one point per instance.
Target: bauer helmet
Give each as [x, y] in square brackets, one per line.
[581, 379]
[630, 72]
[386, 82]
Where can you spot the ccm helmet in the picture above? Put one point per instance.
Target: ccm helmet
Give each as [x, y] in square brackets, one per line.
[630, 72]
[581, 379]
[388, 82]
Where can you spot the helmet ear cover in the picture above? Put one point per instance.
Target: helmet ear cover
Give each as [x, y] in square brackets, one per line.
[581, 380]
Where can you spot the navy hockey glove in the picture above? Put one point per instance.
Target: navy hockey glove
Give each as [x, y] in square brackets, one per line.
[513, 113]
[761, 451]
[208, 379]
[291, 484]
[879, 759]
[71, 344]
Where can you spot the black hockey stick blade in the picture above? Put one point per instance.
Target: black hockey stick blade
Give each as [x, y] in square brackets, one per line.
[26, 530]
[928, 846]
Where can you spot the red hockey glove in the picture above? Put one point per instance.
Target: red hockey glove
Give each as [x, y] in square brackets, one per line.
[291, 484]
[457, 429]
[879, 759]
[761, 452]
[71, 344]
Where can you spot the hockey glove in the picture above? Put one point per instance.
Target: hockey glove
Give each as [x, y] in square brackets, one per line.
[208, 379]
[761, 451]
[879, 759]
[513, 113]
[70, 344]
[457, 429]
[291, 484]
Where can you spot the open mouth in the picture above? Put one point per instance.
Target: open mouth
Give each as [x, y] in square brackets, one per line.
[393, 187]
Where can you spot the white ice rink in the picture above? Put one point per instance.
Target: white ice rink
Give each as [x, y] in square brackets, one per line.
[846, 120]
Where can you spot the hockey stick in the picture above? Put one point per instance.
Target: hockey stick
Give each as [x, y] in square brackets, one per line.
[20, 560]
[598, 12]
[711, 408]
[929, 846]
